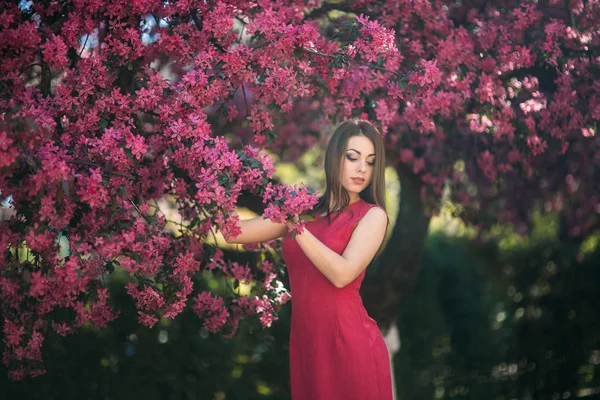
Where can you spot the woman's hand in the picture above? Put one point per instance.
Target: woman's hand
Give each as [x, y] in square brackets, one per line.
[292, 221]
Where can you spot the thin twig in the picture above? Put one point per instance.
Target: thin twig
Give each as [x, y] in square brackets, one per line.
[31, 65]
[136, 207]
[377, 67]
[226, 101]
[315, 52]
[332, 56]
[211, 230]
[99, 166]
[182, 228]
[242, 29]
[245, 100]
[240, 19]
[84, 43]
[241, 33]
[157, 207]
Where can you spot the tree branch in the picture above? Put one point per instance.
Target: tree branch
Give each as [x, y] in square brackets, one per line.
[46, 81]
[334, 56]
[30, 66]
[99, 166]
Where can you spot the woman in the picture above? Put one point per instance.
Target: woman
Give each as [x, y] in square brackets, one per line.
[336, 350]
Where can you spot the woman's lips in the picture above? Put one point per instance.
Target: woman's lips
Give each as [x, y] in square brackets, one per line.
[358, 181]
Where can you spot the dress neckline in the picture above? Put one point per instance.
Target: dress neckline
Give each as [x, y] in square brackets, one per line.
[349, 206]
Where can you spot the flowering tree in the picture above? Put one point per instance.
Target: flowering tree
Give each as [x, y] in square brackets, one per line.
[497, 102]
[511, 125]
[108, 106]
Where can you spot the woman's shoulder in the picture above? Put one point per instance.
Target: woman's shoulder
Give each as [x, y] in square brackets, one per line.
[374, 210]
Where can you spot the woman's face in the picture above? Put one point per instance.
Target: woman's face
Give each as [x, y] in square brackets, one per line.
[357, 165]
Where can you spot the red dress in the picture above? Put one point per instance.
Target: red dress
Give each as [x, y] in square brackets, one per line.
[336, 350]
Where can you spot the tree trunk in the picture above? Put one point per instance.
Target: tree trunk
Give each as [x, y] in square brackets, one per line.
[395, 271]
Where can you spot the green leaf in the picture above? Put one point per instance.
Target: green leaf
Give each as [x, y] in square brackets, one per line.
[298, 53]
[194, 222]
[110, 267]
[271, 136]
[146, 280]
[31, 123]
[321, 81]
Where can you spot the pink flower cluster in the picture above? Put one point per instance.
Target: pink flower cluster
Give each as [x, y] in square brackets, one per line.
[285, 202]
[221, 315]
[377, 40]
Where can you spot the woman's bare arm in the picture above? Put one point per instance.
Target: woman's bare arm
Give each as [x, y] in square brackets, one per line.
[257, 230]
[364, 243]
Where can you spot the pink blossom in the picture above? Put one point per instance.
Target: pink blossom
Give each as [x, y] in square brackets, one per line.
[13, 333]
[536, 144]
[61, 328]
[54, 52]
[588, 132]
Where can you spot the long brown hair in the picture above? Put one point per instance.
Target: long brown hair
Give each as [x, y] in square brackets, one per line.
[335, 194]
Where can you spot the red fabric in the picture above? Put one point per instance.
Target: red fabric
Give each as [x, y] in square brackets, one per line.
[336, 350]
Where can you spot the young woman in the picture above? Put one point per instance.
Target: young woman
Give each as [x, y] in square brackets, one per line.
[336, 350]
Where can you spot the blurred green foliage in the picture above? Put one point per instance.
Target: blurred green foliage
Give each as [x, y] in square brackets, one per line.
[502, 322]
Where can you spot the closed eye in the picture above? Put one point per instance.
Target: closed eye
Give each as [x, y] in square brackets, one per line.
[371, 163]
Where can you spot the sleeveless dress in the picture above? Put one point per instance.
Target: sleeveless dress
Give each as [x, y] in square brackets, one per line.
[336, 350]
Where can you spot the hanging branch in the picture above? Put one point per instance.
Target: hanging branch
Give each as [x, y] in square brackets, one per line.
[99, 166]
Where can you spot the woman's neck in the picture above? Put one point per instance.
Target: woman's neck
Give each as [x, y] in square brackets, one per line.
[351, 201]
